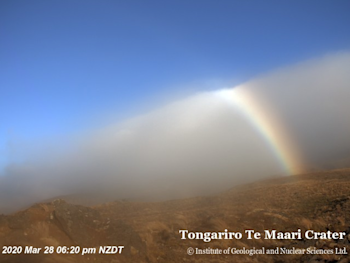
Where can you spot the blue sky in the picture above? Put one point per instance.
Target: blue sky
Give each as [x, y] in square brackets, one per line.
[66, 65]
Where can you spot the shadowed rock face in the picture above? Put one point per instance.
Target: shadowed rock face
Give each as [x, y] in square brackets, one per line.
[61, 224]
[150, 231]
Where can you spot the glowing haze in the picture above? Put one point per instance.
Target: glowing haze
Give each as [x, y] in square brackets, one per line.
[282, 123]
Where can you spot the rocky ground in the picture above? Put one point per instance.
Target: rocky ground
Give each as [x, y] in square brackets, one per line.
[149, 232]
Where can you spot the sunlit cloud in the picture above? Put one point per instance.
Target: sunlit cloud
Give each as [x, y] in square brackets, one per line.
[285, 122]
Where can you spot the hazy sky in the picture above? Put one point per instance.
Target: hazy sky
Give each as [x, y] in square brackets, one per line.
[67, 66]
[290, 121]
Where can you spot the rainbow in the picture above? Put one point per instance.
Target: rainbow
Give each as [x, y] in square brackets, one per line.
[264, 121]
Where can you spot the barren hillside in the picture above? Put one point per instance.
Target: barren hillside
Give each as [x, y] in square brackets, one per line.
[149, 232]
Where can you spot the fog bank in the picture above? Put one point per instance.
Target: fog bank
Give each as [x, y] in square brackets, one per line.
[203, 144]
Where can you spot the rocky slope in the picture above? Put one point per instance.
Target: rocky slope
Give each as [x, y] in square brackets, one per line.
[149, 232]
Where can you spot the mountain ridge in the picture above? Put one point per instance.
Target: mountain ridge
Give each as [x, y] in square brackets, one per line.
[149, 231]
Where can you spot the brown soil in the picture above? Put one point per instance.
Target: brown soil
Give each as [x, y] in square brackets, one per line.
[150, 231]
